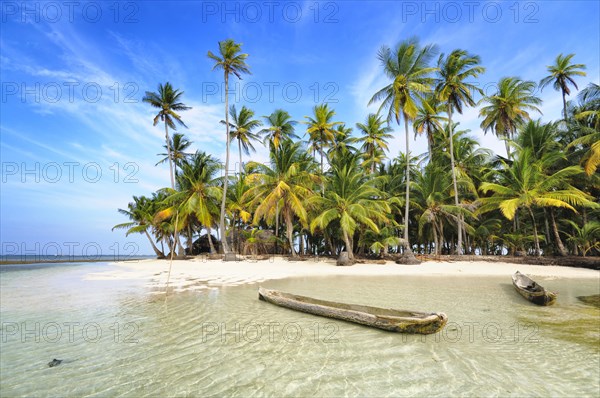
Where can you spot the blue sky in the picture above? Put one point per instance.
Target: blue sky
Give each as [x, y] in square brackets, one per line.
[77, 142]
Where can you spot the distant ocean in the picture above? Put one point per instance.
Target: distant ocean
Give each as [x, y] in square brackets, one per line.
[35, 261]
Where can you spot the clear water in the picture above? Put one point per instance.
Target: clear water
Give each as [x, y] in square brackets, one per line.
[117, 339]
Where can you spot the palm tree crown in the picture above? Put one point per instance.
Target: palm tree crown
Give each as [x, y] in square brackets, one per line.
[374, 140]
[241, 130]
[167, 99]
[561, 76]
[280, 127]
[508, 107]
[321, 129]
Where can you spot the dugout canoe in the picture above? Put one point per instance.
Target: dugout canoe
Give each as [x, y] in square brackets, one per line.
[531, 290]
[382, 318]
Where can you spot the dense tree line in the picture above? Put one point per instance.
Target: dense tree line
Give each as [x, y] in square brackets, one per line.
[338, 191]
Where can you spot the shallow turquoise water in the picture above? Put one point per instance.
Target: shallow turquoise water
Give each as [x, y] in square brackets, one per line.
[118, 340]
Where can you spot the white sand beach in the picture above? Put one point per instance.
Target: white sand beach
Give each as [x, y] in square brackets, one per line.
[200, 273]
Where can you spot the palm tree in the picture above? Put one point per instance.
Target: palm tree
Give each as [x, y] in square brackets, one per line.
[433, 192]
[508, 108]
[561, 76]
[429, 120]
[242, 126]
[525, 184]
[167, 100]
[280, 127]
[284, 185]
[587, 237]
[199, 191]
[179, 144]
[352, 199]
[321, 129]
[231, 60]
[408, 68]
[374, 138]
[453, 89]
[141, 213]
[343, 141]
[586, 123]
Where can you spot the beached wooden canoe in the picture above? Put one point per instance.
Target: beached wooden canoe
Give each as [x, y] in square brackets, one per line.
[533, 292]
[382, 318]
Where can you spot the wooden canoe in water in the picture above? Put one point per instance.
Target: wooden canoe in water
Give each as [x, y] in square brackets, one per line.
[382, 318]
[533, 292]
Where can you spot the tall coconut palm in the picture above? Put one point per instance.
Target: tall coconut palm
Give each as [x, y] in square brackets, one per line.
[429, 120]
[408, 69]
[283, 185]
[179, 144]
[352, 199]
[320, 129]
[561, 76]
[241, 130]
[508, 108]
[280, 127]
[167, 100]
[453, 89]
[141, 213]
[230, 60]
[374, 140]
[525, 184]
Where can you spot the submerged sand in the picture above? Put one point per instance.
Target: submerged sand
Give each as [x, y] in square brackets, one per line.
[200, 273]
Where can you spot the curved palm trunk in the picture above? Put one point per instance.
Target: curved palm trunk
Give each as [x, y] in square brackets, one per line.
[430, 144]
[564, 105]
[210, 242]
[225, 181]
[436, 241]
[348, 244]
[241, 166]
[156, 249]
[535, 233]
[506, 138]
[459, 249]
[190, 240]
[290, 232]
[407, 196]
[170, 156]
[559, 244]
[373, 163]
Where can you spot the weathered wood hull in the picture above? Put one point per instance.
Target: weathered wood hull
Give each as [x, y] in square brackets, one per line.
[533, 292]
[381, 318]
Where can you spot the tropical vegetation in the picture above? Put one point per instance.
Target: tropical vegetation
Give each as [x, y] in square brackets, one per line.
[341, 189]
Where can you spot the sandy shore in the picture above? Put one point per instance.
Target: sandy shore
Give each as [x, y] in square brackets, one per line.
[200, 273]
